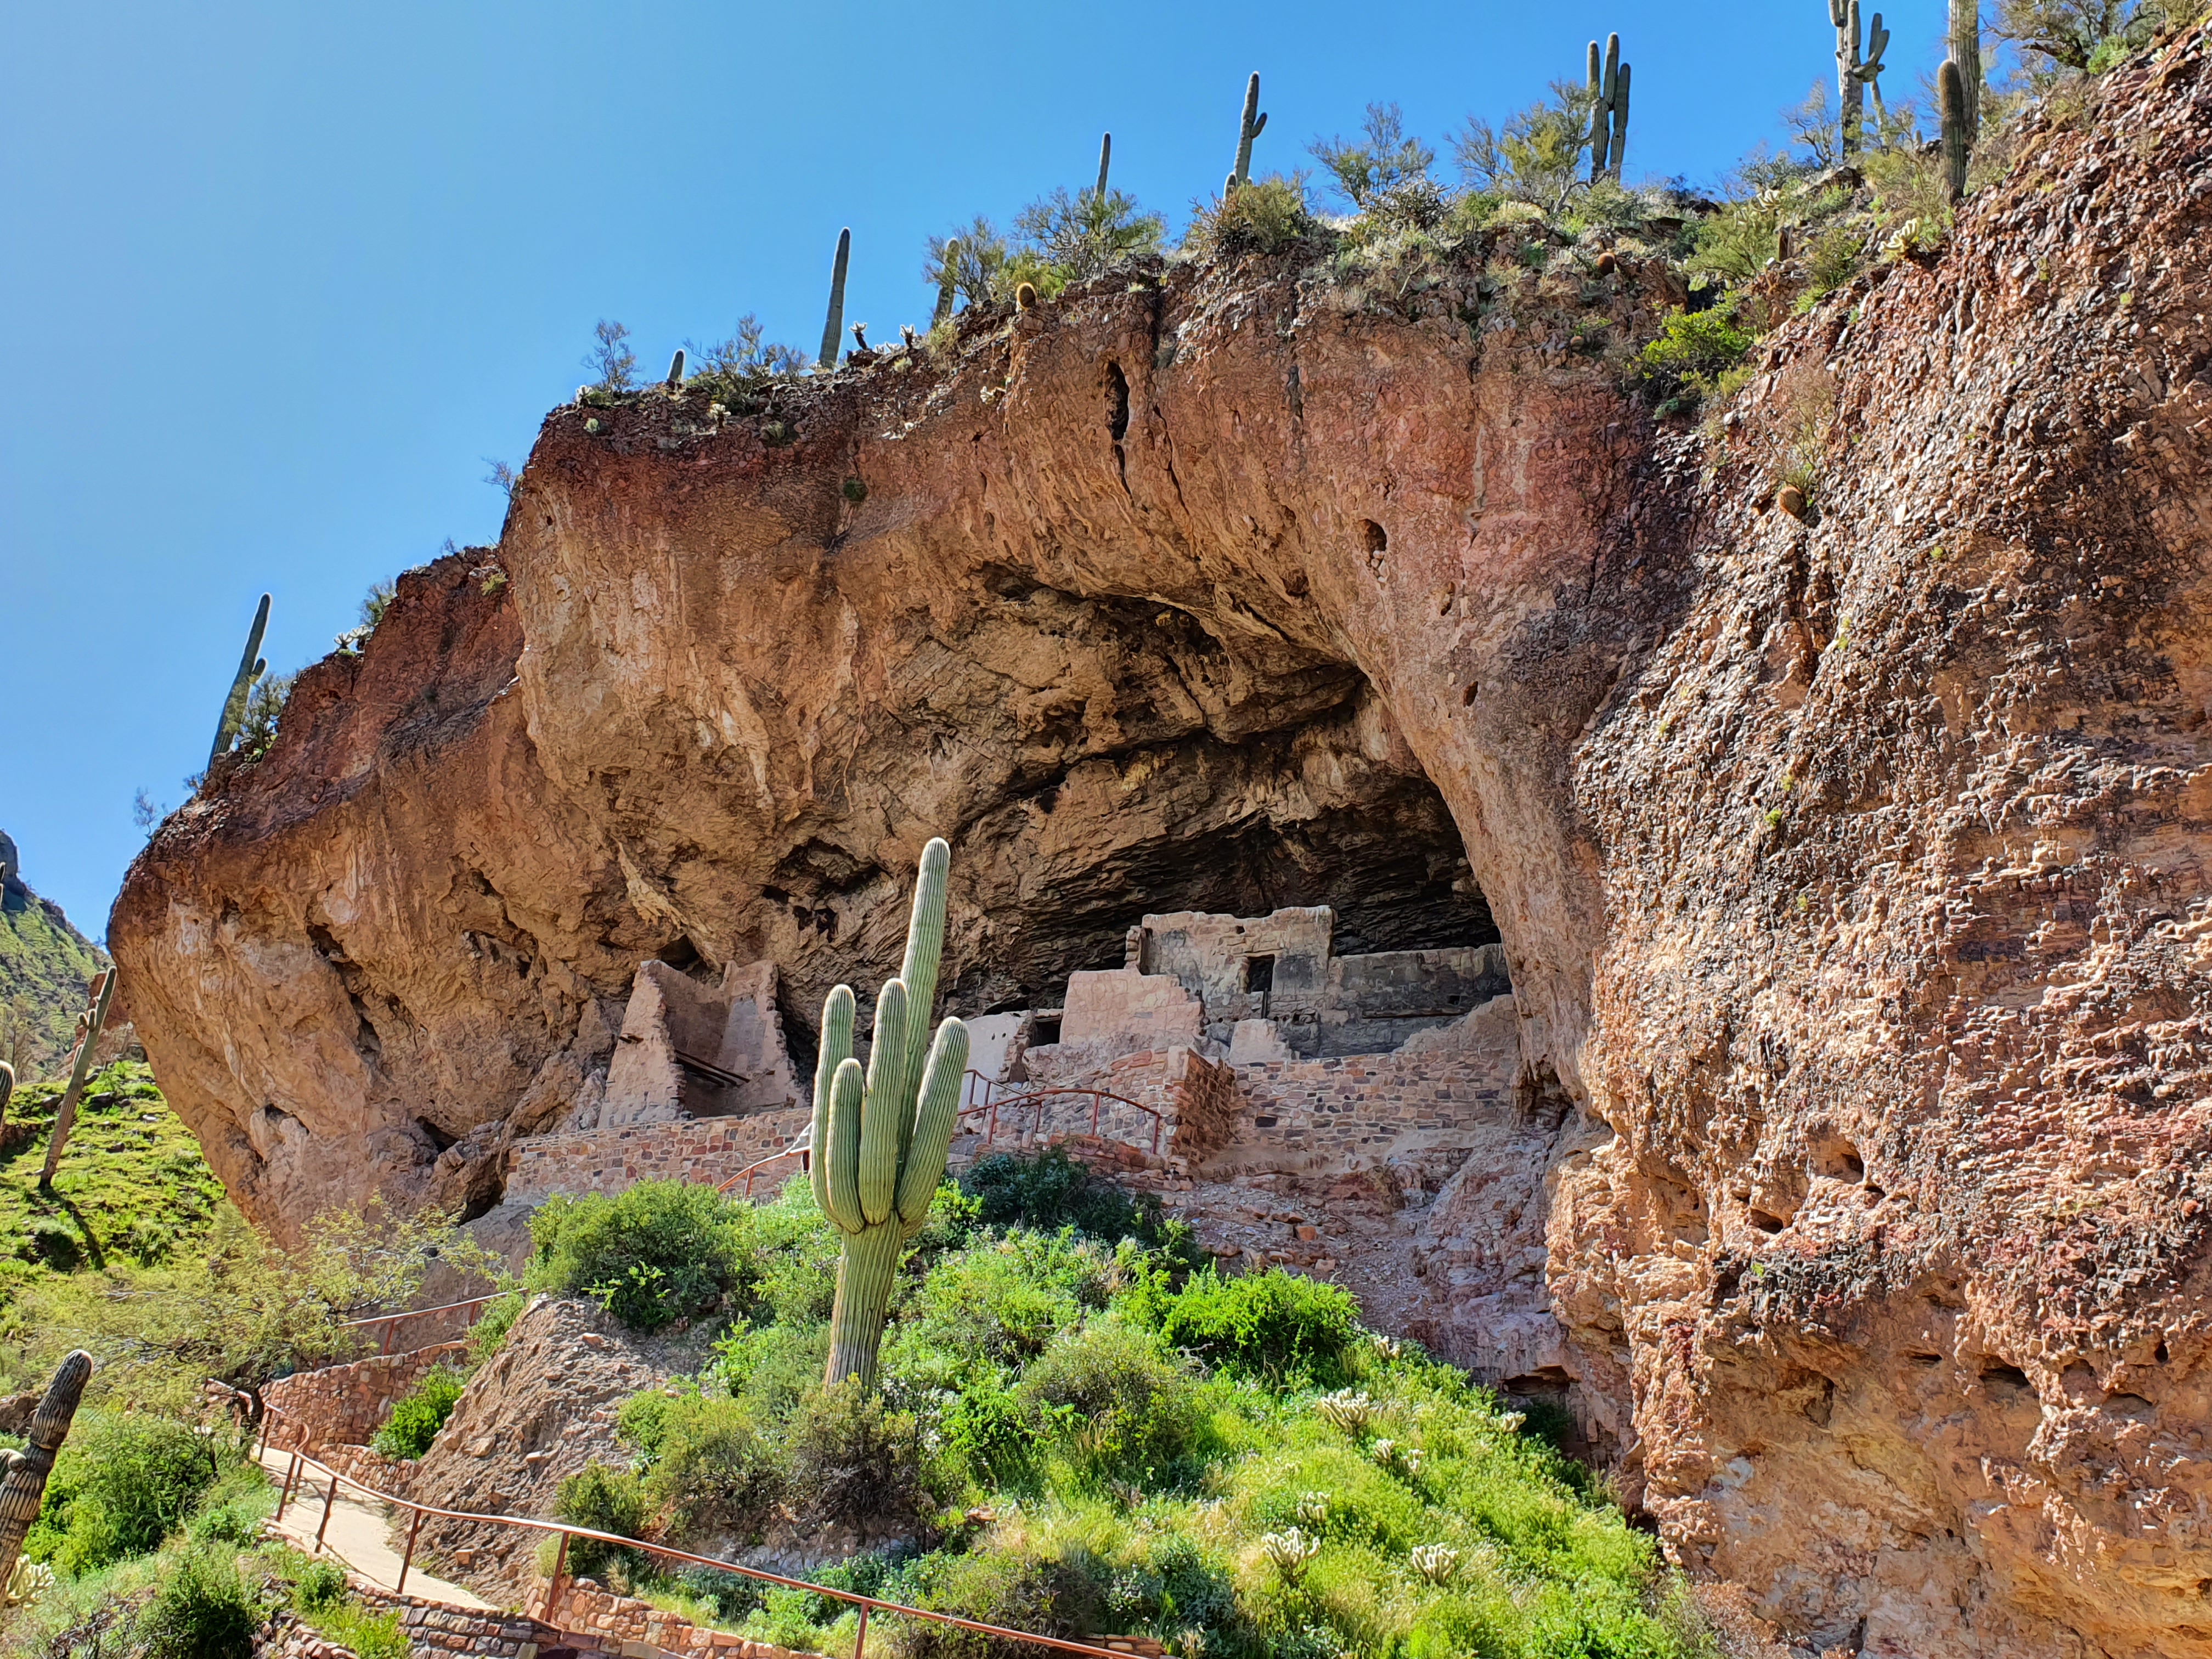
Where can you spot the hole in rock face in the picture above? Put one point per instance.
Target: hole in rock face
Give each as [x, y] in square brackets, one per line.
[1766, 1223]
[1999, 1377]
[1117, 384]
[1373, 538]
[1840, 1161]
[434, 1134]
[1924, 1360]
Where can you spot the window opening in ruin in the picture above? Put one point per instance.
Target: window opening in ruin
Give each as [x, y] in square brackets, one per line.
[1259, 979]
[1044, 1031]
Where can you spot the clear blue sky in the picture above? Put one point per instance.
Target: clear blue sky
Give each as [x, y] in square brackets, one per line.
[281, 277]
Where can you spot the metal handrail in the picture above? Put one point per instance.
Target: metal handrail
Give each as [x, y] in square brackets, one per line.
[388, 1321]
[803, 1152]
[301, 1463]
[991, 1104]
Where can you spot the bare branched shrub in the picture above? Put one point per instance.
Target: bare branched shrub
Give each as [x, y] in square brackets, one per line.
[611, 359]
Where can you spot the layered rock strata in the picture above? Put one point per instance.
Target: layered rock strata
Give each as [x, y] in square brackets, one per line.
[1850, 869]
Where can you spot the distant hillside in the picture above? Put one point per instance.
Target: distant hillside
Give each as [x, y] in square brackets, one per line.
[45, 965]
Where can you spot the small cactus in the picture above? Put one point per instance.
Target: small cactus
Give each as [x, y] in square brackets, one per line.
[251, 667]
[907, 337]
[1437, 1563]
[1951, 84]
[948, 283]
[676, 371]
[1247, 130]
[1346, 1411]
[1313, 1510]
[880, 1141]
[1289, 1552]
[861, 336]
[88, 1025]
[23, 1473]
[832, 329]
[1608, 89]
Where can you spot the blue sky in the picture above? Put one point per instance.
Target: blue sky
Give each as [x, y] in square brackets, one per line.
[281, 277]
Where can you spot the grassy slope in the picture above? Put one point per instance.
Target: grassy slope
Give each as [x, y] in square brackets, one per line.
[45, 966]
[131, 1187]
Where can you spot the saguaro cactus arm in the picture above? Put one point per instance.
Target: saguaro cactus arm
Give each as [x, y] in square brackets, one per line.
[89, 1024]
[1871, 72]
[251, 667]
[1247, 131]
[1619, 124]
[882, 1136]
[23, 1473]
[1608, 88]
[833, 328]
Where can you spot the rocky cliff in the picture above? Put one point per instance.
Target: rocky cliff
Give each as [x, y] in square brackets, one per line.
[1850, 868]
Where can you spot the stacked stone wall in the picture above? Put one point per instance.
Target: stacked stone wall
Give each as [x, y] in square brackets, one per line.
[345, 1405]
[710, 1149]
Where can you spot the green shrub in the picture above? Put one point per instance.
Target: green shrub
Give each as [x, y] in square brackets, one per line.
[605, 1500]
[663, 1250]
[370, 1634]
[997, 1305]
[1052, 1191]
[231, 1510]
[1735, 244]
[201, 1609]
[1020, 1587]
[1273, 1325]
[1112, 1399]
[852, 1460]
[1693, 351]
[418, 1414]
[489, 1334]
[716, 1469]
[122, 1483]
[1267, 215]
[321, 1585]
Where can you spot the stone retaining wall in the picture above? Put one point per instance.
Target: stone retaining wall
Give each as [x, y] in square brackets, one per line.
[345, 1405]
[620, 1624]
[709, 1149]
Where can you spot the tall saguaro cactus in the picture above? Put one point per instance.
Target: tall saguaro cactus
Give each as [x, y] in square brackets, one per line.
[1957, 139]
[1966, 43]
[948, 282]
[88, 1038]
[251, 667]
[879, 1142]
[834, 326]
[1247, 131]
[23, 1473]
[1105, 155]
[1608, 88]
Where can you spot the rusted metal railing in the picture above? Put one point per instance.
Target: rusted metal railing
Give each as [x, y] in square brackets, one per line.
[302, 1466]
[803, 1152]
[992, 1104]
[388, 1321]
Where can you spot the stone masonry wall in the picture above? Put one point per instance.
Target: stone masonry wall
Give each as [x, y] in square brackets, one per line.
[609, 1160]
[345, 1405]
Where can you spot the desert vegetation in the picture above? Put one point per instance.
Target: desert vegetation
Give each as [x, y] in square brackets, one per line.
[1075, 1430]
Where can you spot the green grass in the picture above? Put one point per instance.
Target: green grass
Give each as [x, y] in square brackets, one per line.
[1087, 1437]
[46, 966]
[132, 1190]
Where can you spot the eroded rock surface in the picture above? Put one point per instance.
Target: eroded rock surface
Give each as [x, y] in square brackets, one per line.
[1850, 872]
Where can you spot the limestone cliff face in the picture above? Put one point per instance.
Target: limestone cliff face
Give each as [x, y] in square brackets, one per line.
[1850, 871]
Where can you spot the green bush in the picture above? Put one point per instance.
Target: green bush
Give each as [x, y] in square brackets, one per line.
[1693, 351]
[662, 1251]
[1273, 1325]
[605, 1500]
[370, 1635]
[852, 1460]
[122, 1483]
[716, 1470]
[1267, 215]
[201, 1609]
[321, 1585]
[1053, 1191]
[231, 1510]
[1113, 1400]
[418, 1414]
[489, 1334]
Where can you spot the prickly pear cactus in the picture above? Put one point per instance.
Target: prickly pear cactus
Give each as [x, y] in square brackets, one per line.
[880, 1139]
[23, 1473]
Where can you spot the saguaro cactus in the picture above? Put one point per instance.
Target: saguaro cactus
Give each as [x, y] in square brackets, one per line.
[1105, 155]
[251, 667]
[1608, 88]
[675, 381]
[1850, 90]
[1965, 44]
[88, 1037]
[834, 326]
[23, 1473]
[1247, 131]
[7, 1088]
[879, 1143]
[1951, 85]
[948, 282]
